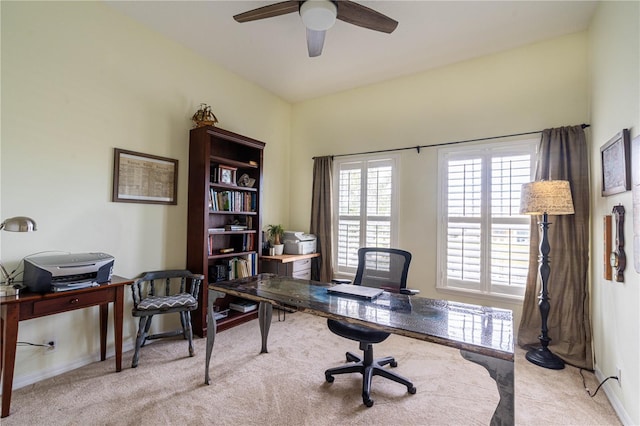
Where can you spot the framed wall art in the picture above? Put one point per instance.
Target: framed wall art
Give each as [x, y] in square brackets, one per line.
[144, 178]
[616, 164]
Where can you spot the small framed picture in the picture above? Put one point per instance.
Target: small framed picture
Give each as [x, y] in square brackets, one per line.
[616, 164]
[227, 175]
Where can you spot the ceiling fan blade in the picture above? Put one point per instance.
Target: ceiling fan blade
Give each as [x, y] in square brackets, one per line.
[315, 41]
[276, 9]
[362, 16]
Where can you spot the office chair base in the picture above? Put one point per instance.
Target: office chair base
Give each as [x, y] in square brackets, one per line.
[369, 367]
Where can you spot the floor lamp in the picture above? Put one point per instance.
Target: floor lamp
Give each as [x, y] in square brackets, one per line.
[546, 197]
[15, 224]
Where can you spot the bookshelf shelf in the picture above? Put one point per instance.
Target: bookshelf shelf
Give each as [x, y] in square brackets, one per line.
[233, 163]
[211, 150]
[227, 187]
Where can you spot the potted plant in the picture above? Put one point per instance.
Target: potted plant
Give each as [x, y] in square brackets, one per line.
[276, 232]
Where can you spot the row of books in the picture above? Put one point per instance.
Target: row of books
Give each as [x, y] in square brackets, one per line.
[242, 242]
[232, 201]
[240, 267]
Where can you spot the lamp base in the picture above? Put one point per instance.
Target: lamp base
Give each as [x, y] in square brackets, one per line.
[545, 358]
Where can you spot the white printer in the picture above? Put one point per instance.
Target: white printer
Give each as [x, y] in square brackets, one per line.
[299, 243]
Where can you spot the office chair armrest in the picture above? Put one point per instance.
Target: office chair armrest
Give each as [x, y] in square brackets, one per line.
[409, 291]
[340, 281]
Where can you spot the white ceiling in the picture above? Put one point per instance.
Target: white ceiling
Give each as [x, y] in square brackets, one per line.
[273, 52]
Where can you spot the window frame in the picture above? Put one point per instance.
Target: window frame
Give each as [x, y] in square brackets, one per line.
[486, 151]
[364, 159]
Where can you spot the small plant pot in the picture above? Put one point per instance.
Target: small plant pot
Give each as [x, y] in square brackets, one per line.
[278, 249]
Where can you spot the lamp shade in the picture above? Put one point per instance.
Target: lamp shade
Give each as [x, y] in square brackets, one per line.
[19, 224]
[318, 15]
[546, 196]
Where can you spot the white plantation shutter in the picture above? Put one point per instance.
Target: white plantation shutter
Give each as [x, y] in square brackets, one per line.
[483, 240]
[365, 206]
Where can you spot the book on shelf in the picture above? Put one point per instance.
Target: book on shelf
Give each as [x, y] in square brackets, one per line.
[243, 305]
[213, 230]
[221, 314]
[235, 227]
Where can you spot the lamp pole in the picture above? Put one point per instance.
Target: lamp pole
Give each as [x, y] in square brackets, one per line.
[543, 356]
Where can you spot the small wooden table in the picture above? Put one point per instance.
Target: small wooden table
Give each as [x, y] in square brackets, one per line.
[289, 265]
[25, 306]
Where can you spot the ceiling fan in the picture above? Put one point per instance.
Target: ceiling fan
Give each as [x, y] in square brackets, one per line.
[320, 15]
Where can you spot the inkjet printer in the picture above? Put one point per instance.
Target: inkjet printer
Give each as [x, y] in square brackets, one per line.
[299, 243]
[43, 274]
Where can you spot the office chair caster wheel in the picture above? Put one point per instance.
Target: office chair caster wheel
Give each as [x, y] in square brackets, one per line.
[412, 390]
[368, 402]
[393, 364]
[329, 378]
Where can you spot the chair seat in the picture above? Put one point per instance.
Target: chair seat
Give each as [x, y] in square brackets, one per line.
[356, 332]
[181, 300]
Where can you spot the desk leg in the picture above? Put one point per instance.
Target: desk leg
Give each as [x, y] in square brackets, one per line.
[502, 371]
[104, 314]
[211, 331]
[265, 312]
[9, 341]
[118, 312]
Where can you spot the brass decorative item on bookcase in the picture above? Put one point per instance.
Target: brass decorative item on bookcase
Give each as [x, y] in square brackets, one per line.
[224, 220]
[204, 116]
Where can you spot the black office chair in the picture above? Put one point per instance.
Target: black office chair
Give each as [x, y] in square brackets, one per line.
[382, 268]
[164, 292]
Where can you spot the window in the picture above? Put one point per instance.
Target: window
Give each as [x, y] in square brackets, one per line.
[365, 207]
[483, 241]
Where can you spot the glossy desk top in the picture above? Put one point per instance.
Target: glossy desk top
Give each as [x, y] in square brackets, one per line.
[479, 329]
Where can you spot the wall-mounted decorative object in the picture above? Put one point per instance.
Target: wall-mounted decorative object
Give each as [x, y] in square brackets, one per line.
[618, 256]
[616, 164]
[144, 178]
[204, 117]
[607, 246]
[635, 190]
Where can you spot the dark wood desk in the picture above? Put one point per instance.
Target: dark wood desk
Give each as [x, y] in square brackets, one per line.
[483, 335]
[29, 305]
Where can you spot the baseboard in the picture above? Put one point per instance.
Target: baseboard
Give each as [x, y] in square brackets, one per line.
[613, 398]
[29, 379]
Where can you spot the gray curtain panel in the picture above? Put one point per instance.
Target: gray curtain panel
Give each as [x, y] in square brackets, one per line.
[562, 156]
[321, 217]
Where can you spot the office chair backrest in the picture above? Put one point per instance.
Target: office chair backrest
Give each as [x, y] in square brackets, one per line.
[385, 268]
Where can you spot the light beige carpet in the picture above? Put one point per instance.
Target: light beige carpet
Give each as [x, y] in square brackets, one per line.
[287, 386]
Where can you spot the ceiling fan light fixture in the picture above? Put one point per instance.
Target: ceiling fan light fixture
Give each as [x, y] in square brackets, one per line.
[318, 15]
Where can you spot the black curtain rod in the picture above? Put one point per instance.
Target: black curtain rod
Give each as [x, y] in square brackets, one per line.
[417, 148]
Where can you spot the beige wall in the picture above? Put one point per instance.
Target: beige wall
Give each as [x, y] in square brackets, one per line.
[78, 79]
[534, 87]
[614, 49]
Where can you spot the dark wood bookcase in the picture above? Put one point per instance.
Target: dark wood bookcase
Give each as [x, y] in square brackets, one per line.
[210, 244]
